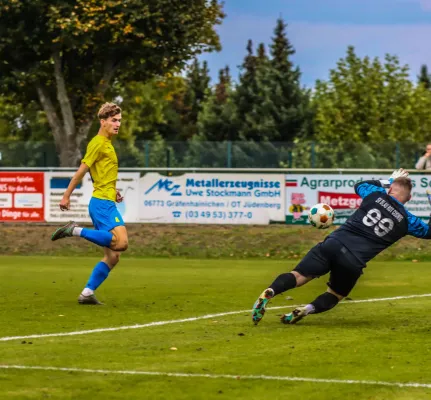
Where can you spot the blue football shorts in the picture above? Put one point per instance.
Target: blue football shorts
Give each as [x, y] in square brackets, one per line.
[104, 214]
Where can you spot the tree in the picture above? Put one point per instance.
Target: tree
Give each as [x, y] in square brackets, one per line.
[248, 68]
[271, 104]
[149, 107]
[252, 97]
[181, 118]
[216, 120]
[19, 123]
[261, 57]
[223, 87]
[23, 135]
[291, 112]
[198, 81]
[424, 77]
[246, 92]
[366, 103]
[66, 55]
[365, 100]
[281, 51]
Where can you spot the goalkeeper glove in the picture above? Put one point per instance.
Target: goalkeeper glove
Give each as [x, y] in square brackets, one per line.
[398, 174]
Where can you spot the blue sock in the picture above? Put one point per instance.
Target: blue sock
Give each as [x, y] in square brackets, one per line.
[102, 238]
[99, 274]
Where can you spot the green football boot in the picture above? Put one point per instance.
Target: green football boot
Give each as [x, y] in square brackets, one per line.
[260, 304]
[293, 317]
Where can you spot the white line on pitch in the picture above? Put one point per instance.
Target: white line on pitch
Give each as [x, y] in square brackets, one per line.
[222, 376]
[178, 321]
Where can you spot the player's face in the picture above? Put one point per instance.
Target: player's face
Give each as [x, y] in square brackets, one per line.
[428, 148]
[111, 125]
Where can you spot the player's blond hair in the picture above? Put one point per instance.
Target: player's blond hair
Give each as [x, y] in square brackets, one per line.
[404, 183]
[108, 110]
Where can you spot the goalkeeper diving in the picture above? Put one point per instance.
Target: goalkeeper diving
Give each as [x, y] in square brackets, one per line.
[379, 222]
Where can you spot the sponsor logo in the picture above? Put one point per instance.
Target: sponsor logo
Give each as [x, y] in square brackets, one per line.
[166, 185]
[225, 184]
[340, 200]
[298, 205]
[28, 200]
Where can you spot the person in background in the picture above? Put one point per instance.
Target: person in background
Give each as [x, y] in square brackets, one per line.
[425, 161]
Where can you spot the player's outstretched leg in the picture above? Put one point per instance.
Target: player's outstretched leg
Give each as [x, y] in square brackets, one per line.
[324, 302]
[260, 304]
[282, 283]
[64, 231]
[99, 237]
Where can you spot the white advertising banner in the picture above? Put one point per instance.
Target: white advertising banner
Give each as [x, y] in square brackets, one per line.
[57, 182]
[212, 198]
[305, 190]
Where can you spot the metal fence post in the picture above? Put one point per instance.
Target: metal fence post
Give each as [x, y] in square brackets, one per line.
[229, 154]
[168, 158]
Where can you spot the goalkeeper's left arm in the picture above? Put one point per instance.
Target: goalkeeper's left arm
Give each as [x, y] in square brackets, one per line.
[365, 188]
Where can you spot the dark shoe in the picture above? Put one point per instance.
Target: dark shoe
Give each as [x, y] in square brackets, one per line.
[64, 231]
[89, 300]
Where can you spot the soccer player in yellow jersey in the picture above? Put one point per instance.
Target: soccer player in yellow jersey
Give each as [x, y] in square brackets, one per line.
[110, 233]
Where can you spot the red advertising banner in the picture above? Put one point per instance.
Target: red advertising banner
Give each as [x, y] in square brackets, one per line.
[22, 196]
[339, 200]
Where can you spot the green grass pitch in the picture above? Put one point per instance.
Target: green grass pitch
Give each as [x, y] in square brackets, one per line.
[385, 341]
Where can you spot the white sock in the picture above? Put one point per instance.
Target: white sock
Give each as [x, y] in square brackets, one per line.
[87, 292]
[309, 308]
[77, 231]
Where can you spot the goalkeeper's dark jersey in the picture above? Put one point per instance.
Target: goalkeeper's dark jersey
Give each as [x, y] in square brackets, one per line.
[380, 221]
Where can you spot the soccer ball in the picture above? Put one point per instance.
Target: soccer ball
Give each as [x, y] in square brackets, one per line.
[321, 216]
